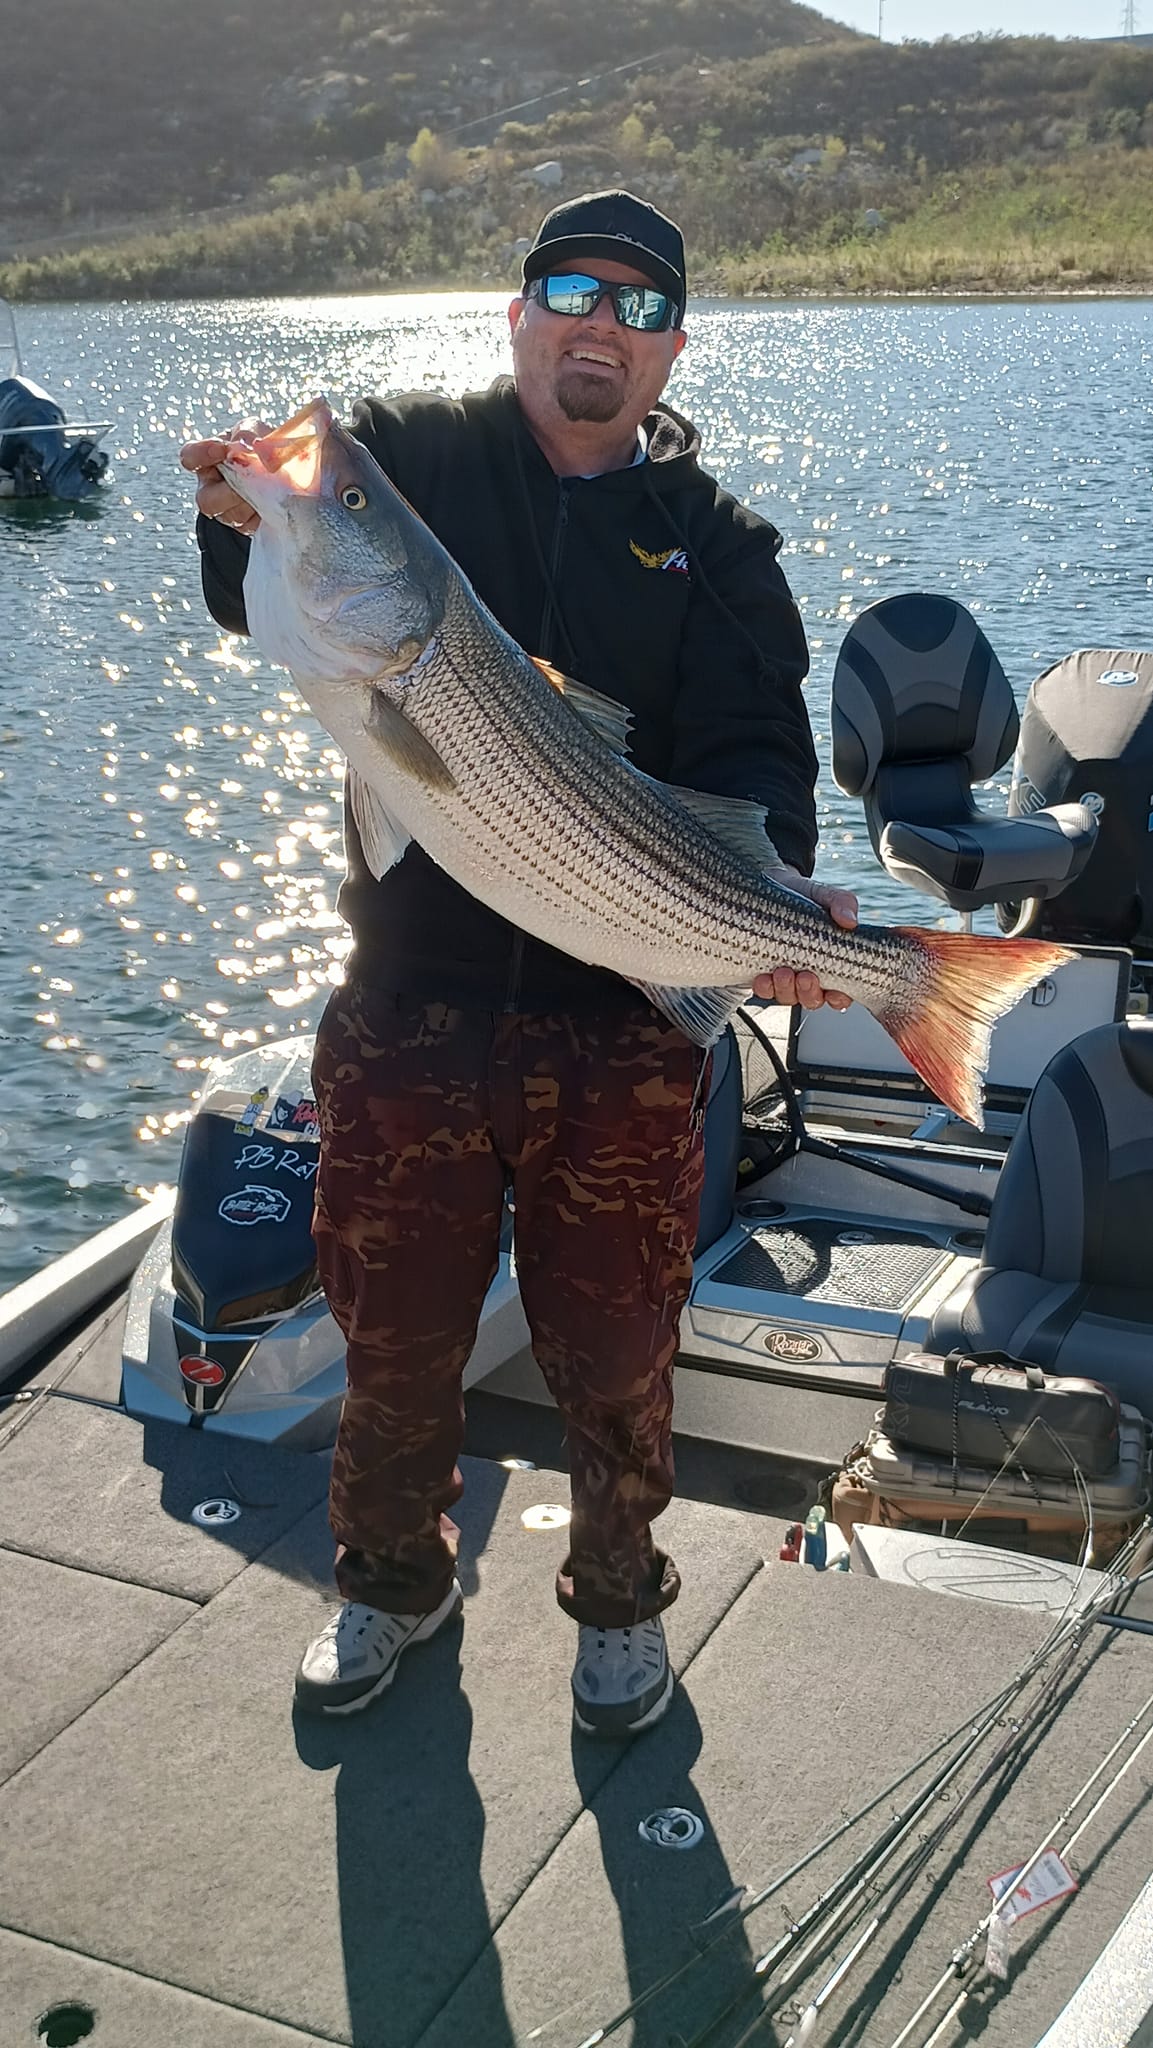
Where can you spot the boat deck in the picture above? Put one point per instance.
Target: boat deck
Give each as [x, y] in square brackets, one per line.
[186, 1862]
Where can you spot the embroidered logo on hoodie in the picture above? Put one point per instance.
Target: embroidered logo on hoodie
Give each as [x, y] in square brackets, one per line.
[669, 558]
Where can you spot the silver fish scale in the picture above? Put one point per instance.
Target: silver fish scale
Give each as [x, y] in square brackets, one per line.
[556, 833]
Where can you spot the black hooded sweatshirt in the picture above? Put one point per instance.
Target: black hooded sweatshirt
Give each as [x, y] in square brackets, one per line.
[650, 584]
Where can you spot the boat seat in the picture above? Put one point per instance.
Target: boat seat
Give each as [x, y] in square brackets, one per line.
[922, 712]
[723, 1113]
[1066, 1276]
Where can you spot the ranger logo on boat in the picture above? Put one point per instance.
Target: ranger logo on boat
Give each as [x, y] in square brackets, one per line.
[792, 1344]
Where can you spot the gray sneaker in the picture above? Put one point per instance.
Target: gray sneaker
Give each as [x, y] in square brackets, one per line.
[354, 1659]
[622, 1681]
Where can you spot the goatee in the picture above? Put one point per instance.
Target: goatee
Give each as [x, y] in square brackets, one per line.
[584, 397]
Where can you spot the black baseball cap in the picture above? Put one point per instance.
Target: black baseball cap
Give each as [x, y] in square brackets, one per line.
[617, 225]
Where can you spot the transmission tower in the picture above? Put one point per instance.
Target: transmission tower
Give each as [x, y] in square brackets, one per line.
[1129, 18]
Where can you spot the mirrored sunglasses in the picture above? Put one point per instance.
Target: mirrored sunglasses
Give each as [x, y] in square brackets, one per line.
[574, 293]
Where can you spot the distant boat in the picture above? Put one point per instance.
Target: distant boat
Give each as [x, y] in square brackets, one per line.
[42, 454]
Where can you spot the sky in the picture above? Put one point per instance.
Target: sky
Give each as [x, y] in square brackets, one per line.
[925, 20]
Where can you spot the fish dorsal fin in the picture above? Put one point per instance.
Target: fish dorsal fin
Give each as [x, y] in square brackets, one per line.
[701, 1013]
[406, 745]
[741, 825]
[382, 836]
[612, 722]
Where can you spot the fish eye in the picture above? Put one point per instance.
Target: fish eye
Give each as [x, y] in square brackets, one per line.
[354, 498]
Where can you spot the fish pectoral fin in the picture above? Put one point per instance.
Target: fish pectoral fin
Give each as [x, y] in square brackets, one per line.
[740, 824]
[382, 836]
[406, 745]
[612, 722]
[701, 1013]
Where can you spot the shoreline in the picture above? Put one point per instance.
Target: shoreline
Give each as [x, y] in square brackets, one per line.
[715, 293]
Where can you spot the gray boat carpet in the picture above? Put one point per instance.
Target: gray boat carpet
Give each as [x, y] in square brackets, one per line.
[80, 1634]
[453, 1869]
[813, 1694]
[44, 1989]
[88, 1365]
[94, 1488]
[337, 1879]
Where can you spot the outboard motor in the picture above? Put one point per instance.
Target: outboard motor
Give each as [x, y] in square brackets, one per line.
[61, 463]
[226, 1311]
[242, 1250]
[1087, 737]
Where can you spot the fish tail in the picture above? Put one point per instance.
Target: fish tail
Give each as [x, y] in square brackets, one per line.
[958, 988]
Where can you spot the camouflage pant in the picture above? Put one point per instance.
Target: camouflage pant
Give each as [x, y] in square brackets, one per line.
[427, 1113]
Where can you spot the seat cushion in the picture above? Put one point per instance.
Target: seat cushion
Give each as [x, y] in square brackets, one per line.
[991, 860]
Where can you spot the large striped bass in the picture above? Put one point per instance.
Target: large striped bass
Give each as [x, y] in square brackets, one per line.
[516, 780]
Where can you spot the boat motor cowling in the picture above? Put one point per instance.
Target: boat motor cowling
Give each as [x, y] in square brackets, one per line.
[242, 1252]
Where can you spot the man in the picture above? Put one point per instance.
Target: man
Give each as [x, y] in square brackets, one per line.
[463, 1058]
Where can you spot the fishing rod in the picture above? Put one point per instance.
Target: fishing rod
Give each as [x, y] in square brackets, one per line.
[1116, 1584]
[994, 1706]
[959, 1961]
[59, 427]
[826, 1921]
[988, 1713]
[900, 1880]
[807, 2031]
[834, 1904]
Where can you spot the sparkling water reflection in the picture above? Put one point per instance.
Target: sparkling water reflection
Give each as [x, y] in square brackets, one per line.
[169, 811]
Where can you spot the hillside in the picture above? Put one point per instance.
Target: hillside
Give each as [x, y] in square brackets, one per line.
[115, 109]
[822, 161]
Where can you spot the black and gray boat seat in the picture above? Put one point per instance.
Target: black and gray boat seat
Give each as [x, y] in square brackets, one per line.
[922, 713]
[1066, 1277]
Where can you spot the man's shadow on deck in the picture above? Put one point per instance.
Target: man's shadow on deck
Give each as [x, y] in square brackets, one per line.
[664, 1896]
[410, 1830]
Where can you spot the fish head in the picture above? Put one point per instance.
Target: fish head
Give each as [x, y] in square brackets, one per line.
[344, 580]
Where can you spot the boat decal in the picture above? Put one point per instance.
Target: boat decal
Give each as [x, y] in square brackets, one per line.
[794, 1345]
[295, 1113]
[254, 1158]
[253, 1204]
[250, 1113]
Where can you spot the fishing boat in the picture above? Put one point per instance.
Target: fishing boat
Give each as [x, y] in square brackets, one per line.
[893, 1803]
[43, 455]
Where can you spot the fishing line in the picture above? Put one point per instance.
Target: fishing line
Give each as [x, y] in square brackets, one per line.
[827, 1921]
[832, 1905]
[901, 1880]
[1004, 1755]
[988, 1713]
[993, 1705]
[961, 1955]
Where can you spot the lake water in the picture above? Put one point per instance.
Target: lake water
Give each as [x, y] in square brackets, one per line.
[169, 812]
